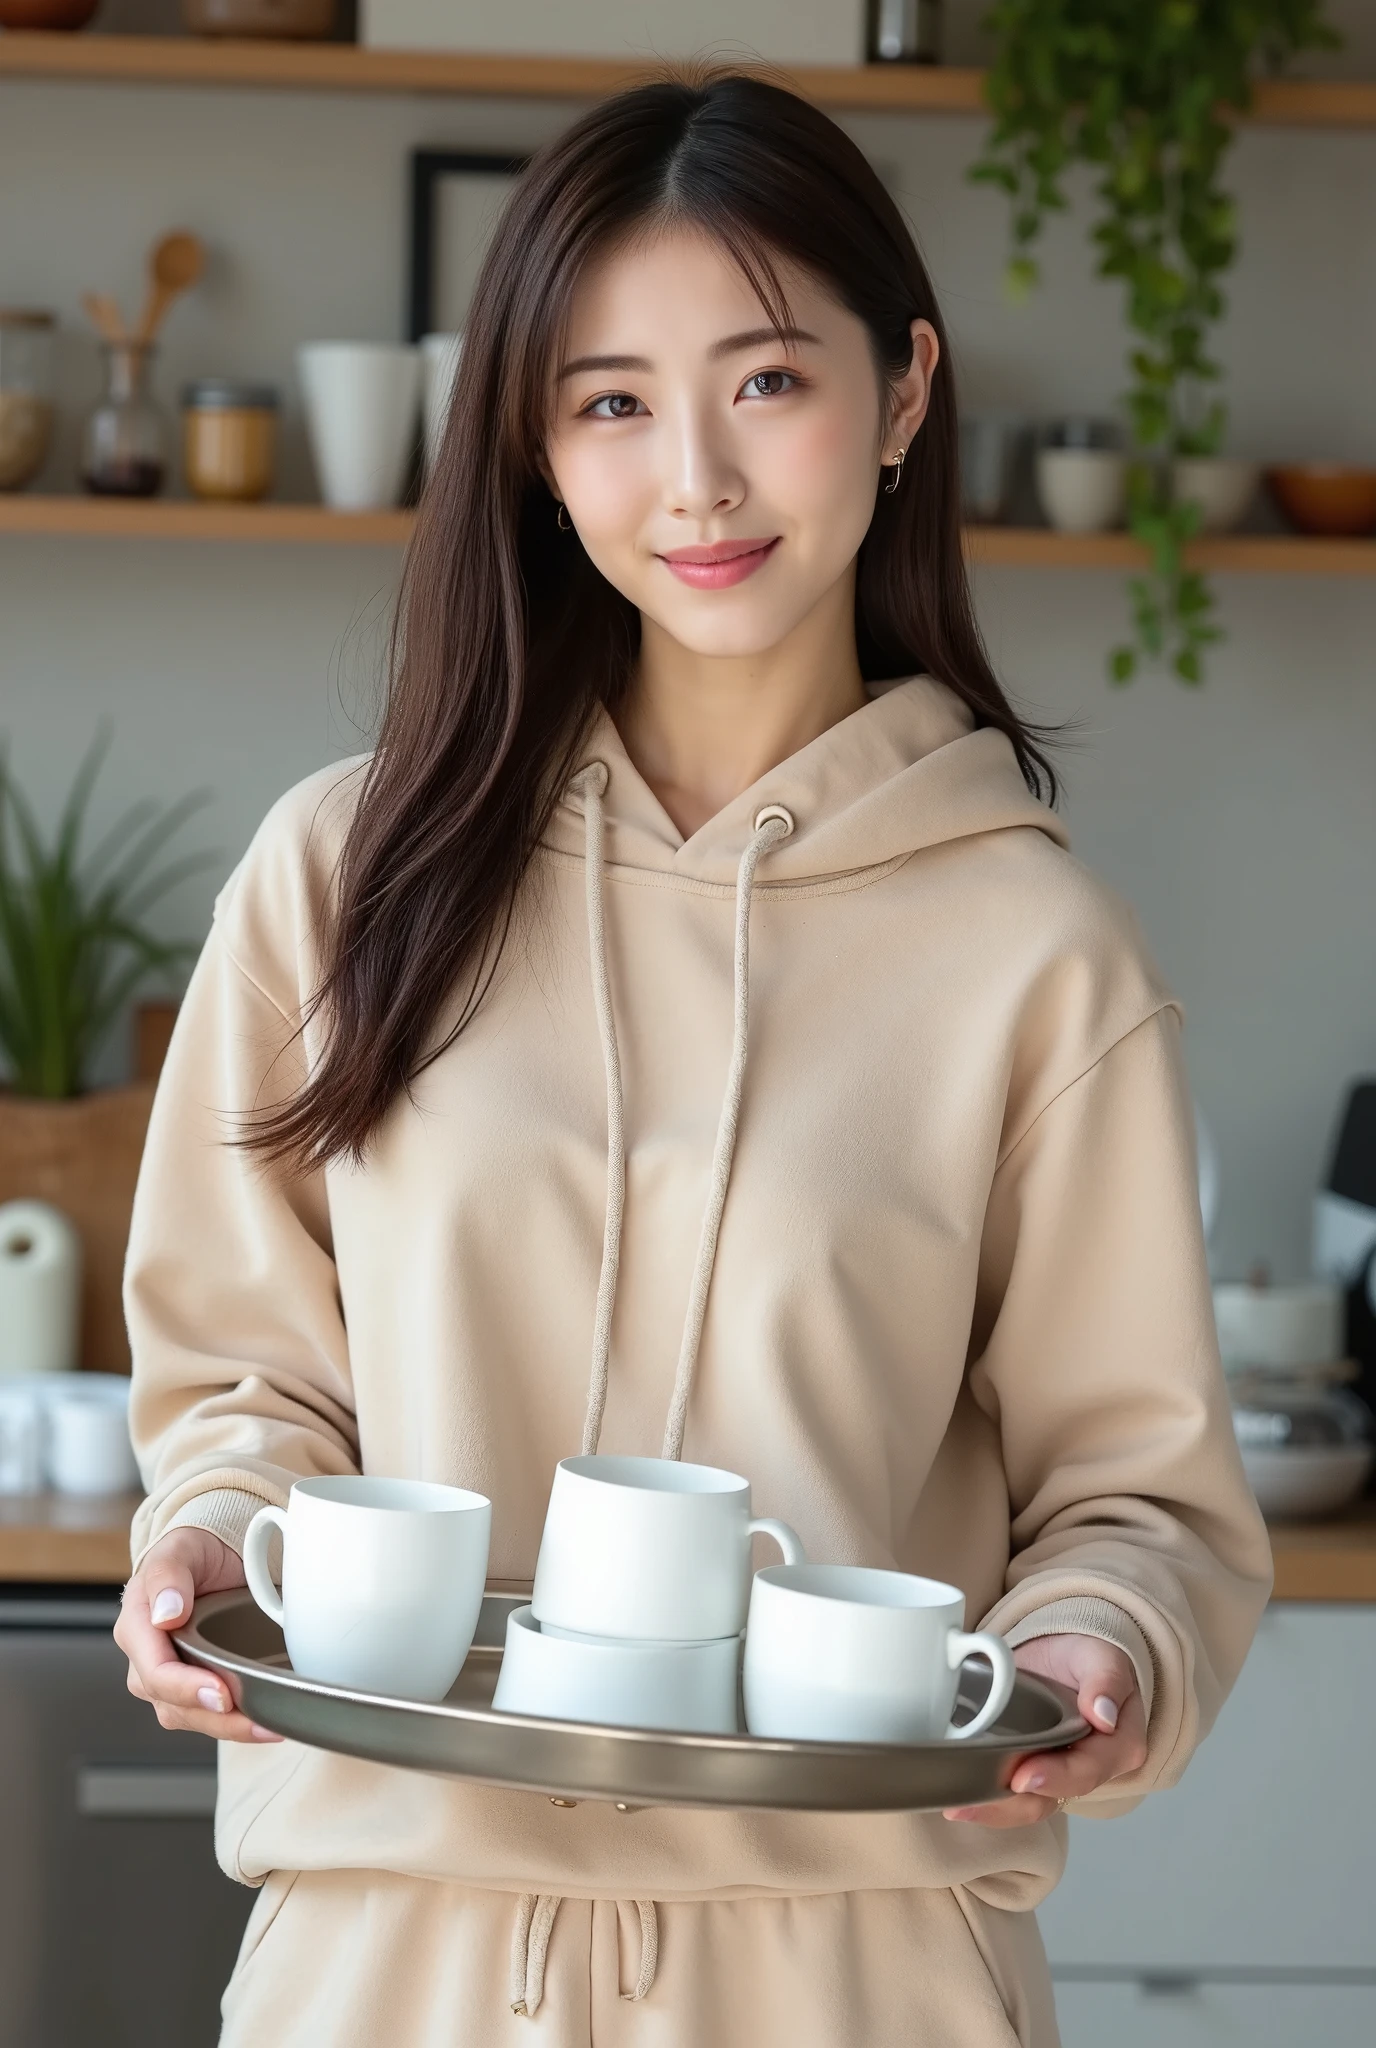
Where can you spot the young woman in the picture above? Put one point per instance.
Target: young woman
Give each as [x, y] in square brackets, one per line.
[694, 982]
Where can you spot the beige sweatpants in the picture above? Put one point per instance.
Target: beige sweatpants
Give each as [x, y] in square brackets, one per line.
[363, 1959]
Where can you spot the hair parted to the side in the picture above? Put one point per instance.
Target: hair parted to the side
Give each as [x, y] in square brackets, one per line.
[506, 636]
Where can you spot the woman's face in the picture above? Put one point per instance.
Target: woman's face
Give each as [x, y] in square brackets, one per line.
[720, 476]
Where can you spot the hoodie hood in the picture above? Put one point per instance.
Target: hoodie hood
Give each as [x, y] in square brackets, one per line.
[907, 771]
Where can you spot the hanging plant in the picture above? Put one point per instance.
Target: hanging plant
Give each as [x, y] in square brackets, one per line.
[1145, 93]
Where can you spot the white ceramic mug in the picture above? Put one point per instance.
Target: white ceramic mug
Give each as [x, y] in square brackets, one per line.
[382, 1580]
[840, 1653]
[362, 408]
[689, 1687]
[649, 1548]
[21, 1438]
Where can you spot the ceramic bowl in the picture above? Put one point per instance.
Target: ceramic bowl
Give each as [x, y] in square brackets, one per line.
[1082, 490]
[1322, 497]
[691, 1688]
[1223, 487]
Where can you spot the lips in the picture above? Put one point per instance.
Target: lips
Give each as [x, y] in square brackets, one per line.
[719, 566]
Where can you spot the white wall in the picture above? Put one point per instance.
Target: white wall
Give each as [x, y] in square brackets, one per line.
[1239, 819]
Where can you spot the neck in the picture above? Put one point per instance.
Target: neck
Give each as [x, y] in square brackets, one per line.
[702, 728]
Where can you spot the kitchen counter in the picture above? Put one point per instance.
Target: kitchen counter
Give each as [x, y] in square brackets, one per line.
[56, 1536]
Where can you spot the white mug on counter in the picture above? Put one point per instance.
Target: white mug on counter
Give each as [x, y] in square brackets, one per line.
[842, 1653]
[382, 1580]
[362, 412]
[689, 1687]
[649, 1548]
[88, 1442]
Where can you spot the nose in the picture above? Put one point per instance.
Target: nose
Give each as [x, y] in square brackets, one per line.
[702, 476]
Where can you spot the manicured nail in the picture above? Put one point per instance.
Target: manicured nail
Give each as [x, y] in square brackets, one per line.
[212, 1699]
[263, 1734]
[1035, 1782]
[168, 1604]
[1106, 1709]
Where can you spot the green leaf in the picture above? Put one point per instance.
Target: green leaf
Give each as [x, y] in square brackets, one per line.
[1122, 664]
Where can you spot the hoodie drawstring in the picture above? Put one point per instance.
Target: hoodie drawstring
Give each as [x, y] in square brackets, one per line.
[535, 1913]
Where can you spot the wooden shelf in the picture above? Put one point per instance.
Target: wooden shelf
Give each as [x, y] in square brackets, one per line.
[1030, 547]
[1327, 1560]
[343, 67]
[55, 1536]
[189, 519]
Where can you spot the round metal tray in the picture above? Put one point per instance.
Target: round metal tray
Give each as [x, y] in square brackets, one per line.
[633, 1767]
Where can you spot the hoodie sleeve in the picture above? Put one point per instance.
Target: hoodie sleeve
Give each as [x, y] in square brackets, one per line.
[1096, 1357]
[241, 1379]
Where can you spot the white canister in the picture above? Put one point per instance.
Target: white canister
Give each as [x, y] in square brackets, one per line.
[439, 357]
[362, 403]
[40, 1289]
[88, 1442]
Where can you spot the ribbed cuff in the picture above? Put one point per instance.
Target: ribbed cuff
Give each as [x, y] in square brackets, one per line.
[1086, 1615]
[224, 1511]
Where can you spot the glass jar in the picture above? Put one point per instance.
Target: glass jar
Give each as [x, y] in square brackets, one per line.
[229, 436]
[124, 448]
[26, 410]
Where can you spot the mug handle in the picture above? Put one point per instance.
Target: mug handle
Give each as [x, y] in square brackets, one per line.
[959, 1646]
[260, 1533]
[786, 1538]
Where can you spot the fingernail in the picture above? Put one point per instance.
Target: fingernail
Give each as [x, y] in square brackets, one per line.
[263, 1734]
[168, 1604]
[212, 1699]
[1034, 1783]
[1107, 1709]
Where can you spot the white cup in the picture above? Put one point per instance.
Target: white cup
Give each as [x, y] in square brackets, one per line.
[840, 1653]
[560, 1676]
[649, 1548]
[88, 1443]
[362, 401]
[21, 1439]
[382, 1580]
[439, 355]
[1083, 490]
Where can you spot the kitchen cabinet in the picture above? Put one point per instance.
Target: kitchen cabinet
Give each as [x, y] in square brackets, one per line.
[1260, 1866]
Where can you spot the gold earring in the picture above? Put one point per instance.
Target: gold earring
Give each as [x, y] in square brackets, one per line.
[562, 520]
[897, 467]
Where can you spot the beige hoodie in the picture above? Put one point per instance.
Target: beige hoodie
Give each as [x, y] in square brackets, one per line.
[958, 1320]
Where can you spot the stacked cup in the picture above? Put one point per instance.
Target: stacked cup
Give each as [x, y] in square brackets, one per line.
[641, 1591]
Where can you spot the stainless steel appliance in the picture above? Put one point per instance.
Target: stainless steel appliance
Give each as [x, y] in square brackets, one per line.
[116, 1926]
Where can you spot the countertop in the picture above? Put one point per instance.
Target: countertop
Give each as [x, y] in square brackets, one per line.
[56, 1536]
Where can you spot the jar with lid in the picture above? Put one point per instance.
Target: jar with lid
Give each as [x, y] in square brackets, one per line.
[124, 448]
[26, 410]
[229, 435]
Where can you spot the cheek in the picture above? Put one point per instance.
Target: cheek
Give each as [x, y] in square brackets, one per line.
[824, 471]
[603, 488]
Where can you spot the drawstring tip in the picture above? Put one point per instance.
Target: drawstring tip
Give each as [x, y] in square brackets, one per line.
[520, 2009]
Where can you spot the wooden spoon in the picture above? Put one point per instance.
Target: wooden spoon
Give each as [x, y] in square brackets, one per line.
[175, 264]
[105, 317]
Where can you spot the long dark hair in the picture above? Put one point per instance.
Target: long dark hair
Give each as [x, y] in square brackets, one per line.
[507, 637]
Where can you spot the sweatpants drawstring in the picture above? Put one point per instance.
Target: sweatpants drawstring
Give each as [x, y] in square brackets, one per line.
[535, 1915]
[535, 1912]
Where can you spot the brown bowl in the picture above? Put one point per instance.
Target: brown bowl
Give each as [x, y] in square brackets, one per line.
[1324, 497]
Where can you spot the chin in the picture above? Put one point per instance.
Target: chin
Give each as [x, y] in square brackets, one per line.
[725, 638]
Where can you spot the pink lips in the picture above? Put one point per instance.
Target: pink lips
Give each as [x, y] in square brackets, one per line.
[718, 567]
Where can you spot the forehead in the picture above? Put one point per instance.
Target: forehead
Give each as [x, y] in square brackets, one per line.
[678, 288]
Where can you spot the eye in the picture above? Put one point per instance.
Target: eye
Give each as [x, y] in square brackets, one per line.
[768, 384]
[614, 405]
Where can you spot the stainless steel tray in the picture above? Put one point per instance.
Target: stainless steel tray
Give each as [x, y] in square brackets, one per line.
[633, 1767]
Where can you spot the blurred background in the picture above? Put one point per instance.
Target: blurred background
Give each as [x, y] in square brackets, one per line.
[199, 547]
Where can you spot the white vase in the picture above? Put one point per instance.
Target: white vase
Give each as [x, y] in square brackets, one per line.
[362, 404]
[1083, 490]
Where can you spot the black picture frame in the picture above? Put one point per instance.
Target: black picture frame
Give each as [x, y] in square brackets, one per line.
[428, 168]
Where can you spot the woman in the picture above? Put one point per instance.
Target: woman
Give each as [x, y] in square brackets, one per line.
[693, 976]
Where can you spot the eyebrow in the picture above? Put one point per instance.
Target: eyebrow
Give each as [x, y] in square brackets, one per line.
[729, 345]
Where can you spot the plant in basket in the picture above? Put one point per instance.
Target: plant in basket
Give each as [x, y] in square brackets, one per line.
[75, 947]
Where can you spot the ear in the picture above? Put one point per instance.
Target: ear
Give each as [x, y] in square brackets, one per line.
[912, 393]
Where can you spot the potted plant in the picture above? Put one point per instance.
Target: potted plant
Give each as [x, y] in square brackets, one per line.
[1145, 96]
[74, 949]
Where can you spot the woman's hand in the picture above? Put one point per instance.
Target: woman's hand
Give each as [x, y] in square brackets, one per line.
[159, 1598]
[1105, 1687]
